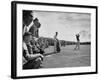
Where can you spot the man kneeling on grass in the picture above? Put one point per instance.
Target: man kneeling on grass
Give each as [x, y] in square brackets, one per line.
[33, 61]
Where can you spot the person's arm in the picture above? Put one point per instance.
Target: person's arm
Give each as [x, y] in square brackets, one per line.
[33, 56]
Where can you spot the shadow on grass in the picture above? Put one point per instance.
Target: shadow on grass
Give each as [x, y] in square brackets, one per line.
[49, 53]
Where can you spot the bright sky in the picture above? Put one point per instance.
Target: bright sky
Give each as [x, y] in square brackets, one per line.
[67, 24]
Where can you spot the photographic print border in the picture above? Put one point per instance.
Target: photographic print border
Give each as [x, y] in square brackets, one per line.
[14, 38]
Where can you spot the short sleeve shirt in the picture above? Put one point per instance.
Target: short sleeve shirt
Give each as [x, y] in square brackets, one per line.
[24, 46]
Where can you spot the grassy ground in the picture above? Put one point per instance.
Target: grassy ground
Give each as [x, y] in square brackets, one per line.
[68, 57]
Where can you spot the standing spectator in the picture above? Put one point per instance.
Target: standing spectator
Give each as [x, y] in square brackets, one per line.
[34, 29]
[56, 44]
[27, 20]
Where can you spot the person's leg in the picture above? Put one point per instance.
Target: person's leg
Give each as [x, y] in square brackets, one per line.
[55, 48]
[78, 45]
[75, 46]
[37, 63]
[28, 65]
[58, 48]
[33, 64]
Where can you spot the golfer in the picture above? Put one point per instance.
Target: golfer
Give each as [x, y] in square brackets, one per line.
[78, 42]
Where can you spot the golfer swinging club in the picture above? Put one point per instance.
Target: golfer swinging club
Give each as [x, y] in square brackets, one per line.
[78, 42]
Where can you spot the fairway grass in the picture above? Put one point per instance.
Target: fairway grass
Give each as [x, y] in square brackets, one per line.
[68, 57]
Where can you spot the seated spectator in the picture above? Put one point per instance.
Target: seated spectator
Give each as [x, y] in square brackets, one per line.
[33, 60]
[36, 46]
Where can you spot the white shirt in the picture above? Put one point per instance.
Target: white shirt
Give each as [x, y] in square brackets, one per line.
[24, 46]
[27, 28]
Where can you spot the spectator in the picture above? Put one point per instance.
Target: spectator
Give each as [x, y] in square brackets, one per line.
[27, 20]
[36, 46]
[33, 60]
[34, 29]
[56, 44]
